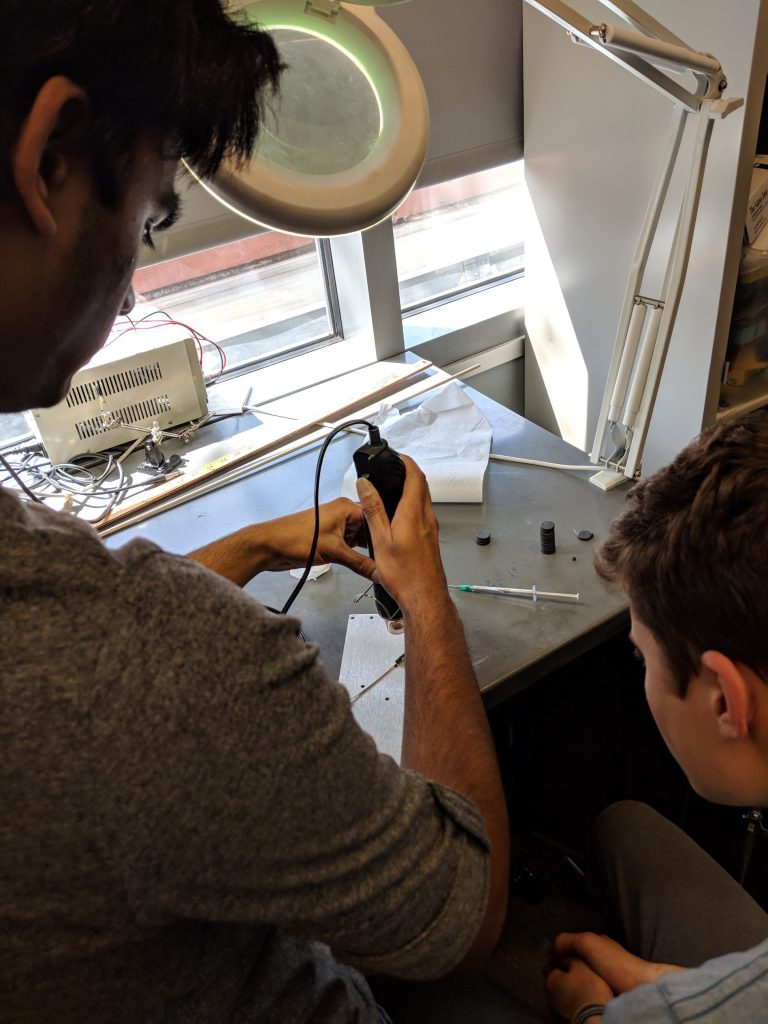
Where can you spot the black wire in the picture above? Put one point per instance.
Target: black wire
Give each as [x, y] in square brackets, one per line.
[156, 312]
[218, 417]
[30, 494]
[316, 535]
[302, 635]
[30, 449]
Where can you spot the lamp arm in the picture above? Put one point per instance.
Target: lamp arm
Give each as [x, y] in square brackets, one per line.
[673, 285]
[632, 49]
[641, 342]
[634, 15]
[679, 58]
[627, 334]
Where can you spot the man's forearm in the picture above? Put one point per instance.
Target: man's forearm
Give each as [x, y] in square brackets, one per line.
[285, 543]
[238, 557]
[446, 736]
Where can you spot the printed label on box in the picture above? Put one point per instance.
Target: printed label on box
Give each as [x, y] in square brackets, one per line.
[757, 206]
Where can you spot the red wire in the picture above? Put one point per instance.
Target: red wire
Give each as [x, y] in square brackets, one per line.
[151, 324]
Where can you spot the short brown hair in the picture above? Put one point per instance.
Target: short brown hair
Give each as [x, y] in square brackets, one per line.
[690, 549]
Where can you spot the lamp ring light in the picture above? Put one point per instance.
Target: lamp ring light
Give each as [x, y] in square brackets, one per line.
[348, 134]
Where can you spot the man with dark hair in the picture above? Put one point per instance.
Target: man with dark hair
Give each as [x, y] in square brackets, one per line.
[192, 826]
[691, 552]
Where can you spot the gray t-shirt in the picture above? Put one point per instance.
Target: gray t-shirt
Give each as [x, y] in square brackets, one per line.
[191, 820]
[730, 989]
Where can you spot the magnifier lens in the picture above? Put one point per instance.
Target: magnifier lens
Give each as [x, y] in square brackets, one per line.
[327, 118]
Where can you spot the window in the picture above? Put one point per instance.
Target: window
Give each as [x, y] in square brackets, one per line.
[261, 298]
[456, 237]
[14, 426]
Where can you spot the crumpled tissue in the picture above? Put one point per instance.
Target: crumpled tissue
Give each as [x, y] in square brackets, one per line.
[447, 436]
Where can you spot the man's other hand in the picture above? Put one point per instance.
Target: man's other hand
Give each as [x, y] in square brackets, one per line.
[342, 528]
[284, 543]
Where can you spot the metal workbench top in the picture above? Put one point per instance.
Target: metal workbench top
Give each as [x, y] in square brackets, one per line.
[513, 641]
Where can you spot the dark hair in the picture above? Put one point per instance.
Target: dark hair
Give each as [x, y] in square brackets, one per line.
[690, 549]
[181, 68]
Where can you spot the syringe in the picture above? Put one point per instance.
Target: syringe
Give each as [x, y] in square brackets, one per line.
[531, 592]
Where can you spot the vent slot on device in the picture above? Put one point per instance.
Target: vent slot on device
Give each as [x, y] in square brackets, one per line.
[147, 410]
[114, 384]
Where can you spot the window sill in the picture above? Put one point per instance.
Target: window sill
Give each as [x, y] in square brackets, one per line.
[291, 376]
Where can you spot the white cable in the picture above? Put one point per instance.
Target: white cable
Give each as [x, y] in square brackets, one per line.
[547, 465]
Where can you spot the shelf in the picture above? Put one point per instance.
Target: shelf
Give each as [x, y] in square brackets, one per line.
[744, 398]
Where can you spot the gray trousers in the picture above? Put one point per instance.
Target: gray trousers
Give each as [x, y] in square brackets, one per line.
[674, 902]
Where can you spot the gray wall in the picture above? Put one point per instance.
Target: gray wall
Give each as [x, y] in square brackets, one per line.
[505, 384]
[469, 55]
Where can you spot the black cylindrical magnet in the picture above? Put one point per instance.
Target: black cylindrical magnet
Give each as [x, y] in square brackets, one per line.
[483, 537]
[547, 536]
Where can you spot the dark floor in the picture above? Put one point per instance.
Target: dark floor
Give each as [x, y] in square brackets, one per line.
[569, 746]
[517, 966]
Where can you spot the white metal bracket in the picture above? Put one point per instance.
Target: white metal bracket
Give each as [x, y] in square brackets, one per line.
[606, 479]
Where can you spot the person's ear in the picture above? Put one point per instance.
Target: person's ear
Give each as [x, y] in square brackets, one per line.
[731, 697]
[39, 162]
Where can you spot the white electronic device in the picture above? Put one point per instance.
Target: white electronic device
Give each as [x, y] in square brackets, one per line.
[115, 397]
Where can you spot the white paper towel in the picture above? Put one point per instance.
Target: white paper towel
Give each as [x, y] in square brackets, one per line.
[447, 436]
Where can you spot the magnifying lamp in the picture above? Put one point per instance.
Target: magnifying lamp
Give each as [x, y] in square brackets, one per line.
[346, 139]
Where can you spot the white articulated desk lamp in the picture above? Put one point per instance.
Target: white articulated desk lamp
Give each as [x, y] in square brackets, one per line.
[652, 53]
[348, 135]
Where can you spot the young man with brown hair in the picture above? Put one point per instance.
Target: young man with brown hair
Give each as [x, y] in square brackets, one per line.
[691, 552]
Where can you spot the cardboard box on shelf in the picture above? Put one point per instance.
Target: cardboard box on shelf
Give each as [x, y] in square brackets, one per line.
[748, 338]
[757, 206]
